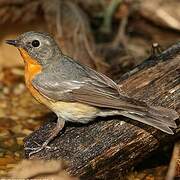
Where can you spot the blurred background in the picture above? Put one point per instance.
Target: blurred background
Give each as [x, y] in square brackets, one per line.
[111, 36]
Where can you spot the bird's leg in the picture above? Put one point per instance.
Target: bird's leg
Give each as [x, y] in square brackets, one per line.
[59, 126]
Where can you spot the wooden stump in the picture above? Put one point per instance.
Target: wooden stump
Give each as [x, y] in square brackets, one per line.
[107, 148]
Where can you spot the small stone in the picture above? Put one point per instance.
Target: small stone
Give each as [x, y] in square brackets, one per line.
[26, 131]
[6, 90]
[17, 154]
[19, 89]
[20, 140]
[17, 129]
[18, 71]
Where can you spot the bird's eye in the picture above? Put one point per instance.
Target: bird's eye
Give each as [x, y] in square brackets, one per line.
[35, 43]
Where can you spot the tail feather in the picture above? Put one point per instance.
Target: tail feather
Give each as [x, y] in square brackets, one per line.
[158, 117]
[164, 115]
[163, 112]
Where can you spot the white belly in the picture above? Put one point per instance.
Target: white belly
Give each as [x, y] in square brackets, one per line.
[74, 112]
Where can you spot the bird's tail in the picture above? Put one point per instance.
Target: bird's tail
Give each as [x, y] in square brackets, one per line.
[158, 117]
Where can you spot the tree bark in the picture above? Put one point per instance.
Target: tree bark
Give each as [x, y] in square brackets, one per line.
[107, 148]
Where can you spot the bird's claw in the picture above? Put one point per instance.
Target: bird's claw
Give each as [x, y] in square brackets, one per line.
[37, 149]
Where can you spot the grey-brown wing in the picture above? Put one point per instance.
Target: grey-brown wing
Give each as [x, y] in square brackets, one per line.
[95, 89]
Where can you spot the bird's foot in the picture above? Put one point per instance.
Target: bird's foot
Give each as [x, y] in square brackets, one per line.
[54, 133]
[37, 149]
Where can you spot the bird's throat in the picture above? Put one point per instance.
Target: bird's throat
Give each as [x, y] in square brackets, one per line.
[27, 58]
[32, 67]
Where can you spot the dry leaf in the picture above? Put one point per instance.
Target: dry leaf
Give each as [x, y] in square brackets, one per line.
[162, 12]
[52, 169]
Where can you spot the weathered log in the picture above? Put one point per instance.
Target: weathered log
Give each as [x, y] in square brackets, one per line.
[107, 148]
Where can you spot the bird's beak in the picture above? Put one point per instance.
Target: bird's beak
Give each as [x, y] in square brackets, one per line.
[12, 42]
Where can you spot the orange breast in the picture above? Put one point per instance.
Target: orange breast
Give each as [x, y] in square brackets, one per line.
[32, 68]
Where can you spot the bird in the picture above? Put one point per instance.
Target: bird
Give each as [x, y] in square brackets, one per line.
[76, 92]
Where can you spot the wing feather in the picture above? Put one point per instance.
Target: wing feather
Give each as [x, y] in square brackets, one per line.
[96, 89]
